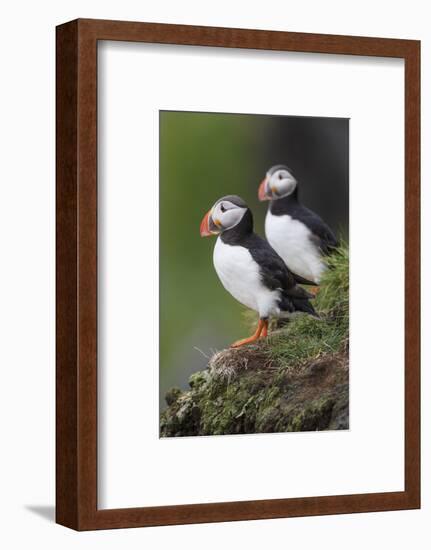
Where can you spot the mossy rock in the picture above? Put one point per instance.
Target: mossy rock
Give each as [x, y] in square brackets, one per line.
[260, 397]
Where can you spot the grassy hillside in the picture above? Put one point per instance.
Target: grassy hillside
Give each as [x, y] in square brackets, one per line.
[306, 338]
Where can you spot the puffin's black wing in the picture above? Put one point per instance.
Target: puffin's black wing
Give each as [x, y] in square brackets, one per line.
[322, 234]
[302, 281]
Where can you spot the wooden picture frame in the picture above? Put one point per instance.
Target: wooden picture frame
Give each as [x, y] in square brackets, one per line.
[76, 374]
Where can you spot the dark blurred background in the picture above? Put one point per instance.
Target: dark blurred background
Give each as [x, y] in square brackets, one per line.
[204, 156]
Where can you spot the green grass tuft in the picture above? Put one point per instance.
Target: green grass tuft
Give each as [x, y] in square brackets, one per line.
[305, 338]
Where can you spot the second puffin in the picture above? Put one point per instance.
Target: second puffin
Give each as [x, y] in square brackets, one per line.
[297, 233]
[250, 269]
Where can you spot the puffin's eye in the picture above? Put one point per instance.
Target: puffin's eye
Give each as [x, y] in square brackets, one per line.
[280, 176]
[222, 208]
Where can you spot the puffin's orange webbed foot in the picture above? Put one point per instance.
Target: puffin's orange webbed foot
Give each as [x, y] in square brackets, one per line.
[314, 290]
[245, 341]
[261, 332]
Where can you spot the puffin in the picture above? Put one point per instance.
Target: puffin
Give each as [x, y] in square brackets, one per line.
[250, 269]
[295, 232]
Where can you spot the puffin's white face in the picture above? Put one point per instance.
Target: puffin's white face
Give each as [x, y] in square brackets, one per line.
[277, 184]
[222, 216]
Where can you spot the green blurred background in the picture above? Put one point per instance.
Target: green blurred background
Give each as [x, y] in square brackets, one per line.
[204, 156]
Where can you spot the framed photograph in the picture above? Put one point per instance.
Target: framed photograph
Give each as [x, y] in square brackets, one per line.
[238, 283]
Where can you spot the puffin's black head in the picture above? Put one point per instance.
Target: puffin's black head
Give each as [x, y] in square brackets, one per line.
[226, 213]
[278, 183]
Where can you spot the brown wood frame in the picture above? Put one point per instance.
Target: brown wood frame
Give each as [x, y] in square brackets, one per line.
[76, 374]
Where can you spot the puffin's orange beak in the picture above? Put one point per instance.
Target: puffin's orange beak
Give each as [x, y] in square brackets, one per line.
[262, 192]
[205, 226]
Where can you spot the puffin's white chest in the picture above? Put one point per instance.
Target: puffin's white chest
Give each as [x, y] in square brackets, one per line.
[291, 239]
[240, 276]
